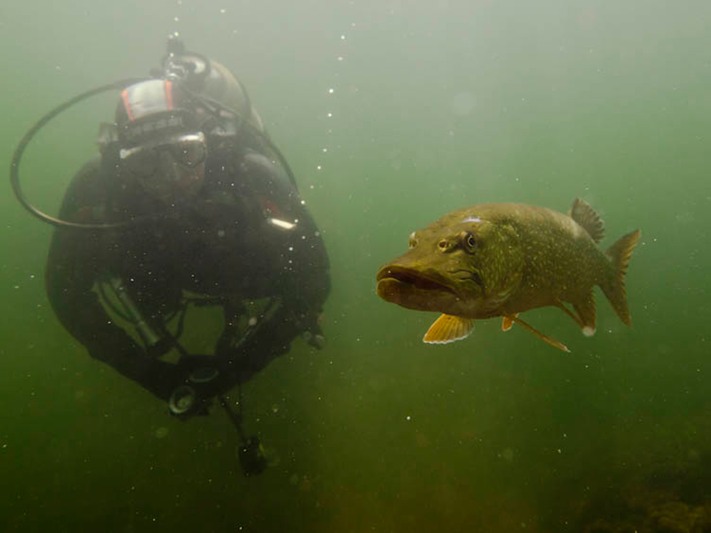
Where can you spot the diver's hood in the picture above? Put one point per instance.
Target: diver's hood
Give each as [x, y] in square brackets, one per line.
[152, 109]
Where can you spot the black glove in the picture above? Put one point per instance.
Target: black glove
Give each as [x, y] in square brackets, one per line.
[124, 355]
[314, 336]
[161, 347]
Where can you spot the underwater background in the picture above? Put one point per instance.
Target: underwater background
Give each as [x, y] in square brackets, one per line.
[391, 113]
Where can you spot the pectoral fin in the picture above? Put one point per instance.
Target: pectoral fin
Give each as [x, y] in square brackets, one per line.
[448, 328]
[542, 336]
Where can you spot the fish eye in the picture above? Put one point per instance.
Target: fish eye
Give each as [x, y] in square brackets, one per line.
[412, 242]
[469, 242]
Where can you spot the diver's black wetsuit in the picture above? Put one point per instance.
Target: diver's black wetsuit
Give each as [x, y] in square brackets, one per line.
[231, 243]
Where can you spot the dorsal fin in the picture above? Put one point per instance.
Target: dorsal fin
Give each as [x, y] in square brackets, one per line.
[586, 216]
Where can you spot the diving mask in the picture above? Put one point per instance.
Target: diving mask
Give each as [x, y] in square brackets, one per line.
[187, 150]
[167, 168]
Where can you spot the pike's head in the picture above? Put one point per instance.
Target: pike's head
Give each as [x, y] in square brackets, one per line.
[462, 264]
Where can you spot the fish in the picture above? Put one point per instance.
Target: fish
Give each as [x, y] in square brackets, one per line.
[502, 259]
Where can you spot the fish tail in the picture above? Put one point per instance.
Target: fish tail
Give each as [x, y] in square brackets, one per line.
[620, 254]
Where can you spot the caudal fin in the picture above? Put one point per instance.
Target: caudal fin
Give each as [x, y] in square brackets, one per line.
[614, 287]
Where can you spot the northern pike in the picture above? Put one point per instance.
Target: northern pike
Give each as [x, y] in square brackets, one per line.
[501, 259]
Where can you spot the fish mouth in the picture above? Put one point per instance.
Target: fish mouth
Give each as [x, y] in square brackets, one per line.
[412, 279]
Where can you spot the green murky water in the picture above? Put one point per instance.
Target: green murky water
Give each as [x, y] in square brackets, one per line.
[391, 114]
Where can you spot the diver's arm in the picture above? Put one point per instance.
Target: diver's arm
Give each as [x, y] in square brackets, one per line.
[78, 309]
[306, 282]
[302, 289]
[268, 341]
[76, 260]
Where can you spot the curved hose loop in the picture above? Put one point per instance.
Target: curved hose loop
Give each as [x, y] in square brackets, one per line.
[22, 145]
[37, 126]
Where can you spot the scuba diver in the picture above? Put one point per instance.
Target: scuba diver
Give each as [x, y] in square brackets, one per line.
[188, 204]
